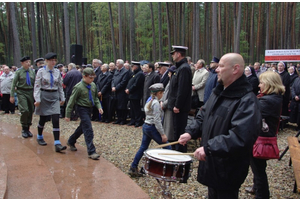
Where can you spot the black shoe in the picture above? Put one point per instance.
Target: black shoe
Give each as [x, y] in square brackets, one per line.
[13, 112]
[24, 134]
[122, 123]
[117, 122]
[94, 156]
[130, 124]
[138, 125]
[107, 121]
[59, 147]
[29, 134]
[72, 147]
[133, 172]
[250, 190]
[41, 142]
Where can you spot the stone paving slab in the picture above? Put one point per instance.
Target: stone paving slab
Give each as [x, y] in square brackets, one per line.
[74, 174]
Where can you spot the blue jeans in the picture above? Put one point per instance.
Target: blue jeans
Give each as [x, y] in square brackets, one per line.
[149, 133]
[84, 127]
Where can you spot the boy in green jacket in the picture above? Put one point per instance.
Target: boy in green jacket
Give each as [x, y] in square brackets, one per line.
[84, 94]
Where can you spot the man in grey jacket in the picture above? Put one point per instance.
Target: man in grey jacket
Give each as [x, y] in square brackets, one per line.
[228, 125]
[5, 84]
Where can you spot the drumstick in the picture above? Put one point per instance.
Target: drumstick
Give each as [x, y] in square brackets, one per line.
[165, 145]
[176, 154]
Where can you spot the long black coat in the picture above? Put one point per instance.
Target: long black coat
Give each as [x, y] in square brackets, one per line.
[136, 84]
[97, 73]
[120, 81]
[285, 77]
[295, 105]
[150, 79]
[165, 79]
[180, 94]
[228, 125]
[270, 107]
[104, 84]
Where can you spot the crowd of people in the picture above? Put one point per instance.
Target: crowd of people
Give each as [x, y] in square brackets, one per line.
[229, 100]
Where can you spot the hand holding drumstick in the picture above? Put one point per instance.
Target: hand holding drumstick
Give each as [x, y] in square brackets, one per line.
[199, 153]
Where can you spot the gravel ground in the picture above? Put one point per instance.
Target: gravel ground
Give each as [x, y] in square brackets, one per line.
[118, 144]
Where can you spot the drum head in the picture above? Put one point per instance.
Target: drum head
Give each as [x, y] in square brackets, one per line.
[155, 153]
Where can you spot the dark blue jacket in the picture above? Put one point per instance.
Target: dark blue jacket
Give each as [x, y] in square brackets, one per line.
[71, 79]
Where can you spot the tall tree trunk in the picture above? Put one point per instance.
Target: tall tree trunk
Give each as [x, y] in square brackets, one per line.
[112, 32]
[120, 11]
[77, 24]
[160, 41]
[293, 41]
[67, 32]
[282, 26]
[275, 22]
[153, 34]
[83, 29]
[193, 31]
[46, 23]
[220, 30]
[238, 29]
[16, 41]
[206, 32]
[258, 33]
[182, 27]
[197, 35]
[33, 35]
[133, 52]
[5, 32]
[39, 29]
[169, 30]
[252, 34]
[267, 24]
[214, 41]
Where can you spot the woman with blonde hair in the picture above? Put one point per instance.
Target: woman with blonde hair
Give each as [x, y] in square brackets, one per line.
[152, 127]
[270, 100]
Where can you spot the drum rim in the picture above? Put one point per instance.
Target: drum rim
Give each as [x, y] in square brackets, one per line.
[167, 161]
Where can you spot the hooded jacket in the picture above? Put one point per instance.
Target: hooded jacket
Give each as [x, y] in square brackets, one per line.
[228, 126]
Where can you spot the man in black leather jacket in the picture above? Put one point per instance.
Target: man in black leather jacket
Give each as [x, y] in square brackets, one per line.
[228, 126]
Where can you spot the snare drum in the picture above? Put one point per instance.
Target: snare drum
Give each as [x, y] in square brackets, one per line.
[167, 167]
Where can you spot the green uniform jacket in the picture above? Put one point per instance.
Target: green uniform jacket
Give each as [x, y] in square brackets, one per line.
[19, 81]
[80, 96]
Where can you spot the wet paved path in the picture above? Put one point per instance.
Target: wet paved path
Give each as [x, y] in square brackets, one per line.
[32, 171]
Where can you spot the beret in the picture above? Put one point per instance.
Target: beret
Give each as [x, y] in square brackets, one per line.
[88, 71]
[25, 58]
[50, 55]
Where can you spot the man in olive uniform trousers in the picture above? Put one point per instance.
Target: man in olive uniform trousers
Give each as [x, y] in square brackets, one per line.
[134, 90]
[180, 97]
[23, 85]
